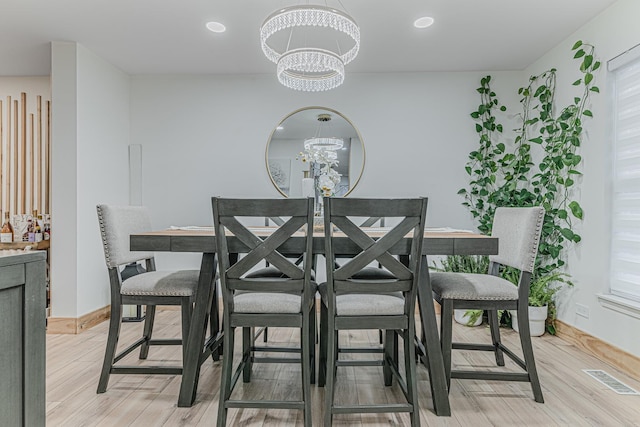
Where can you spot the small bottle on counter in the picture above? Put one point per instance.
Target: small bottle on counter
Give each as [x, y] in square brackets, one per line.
[29, 234]
[38, 229]
[6, 233]
[46, 235]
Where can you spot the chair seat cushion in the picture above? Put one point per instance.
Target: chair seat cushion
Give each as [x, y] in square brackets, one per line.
[181, 283]
[389, 304]
[468, 286]
[266, 302]
[269, 272]
[373, 273]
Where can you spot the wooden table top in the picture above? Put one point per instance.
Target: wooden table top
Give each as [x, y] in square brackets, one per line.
[437, 242]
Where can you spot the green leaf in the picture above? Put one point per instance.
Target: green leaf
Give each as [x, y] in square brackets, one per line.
[539, 91]
[475, 114]
[503, 108]
[596, 66]
[579, 54]
[577, 82]
[576, 209]
[468, 169]
[536, 140]
[562, 214]
[577, 45]
[478, 128]
[567, 233]
[588, 78]
[595, 89]
[574, 172]
[587, 113]
[576, 100]
[462, 191]
[586, 63]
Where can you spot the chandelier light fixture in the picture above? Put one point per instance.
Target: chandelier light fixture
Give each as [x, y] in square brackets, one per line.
[318, 63]
[323, 143]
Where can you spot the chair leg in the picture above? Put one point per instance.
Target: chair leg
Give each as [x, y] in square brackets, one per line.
[149, 318]
[324, 332]
[225, 376]
[187, 311]
[329, 387]
[527, 350]
[265, 335]
[495, 336]
[390, 355]
[214, 320]
[305, 361]
[410, 371]
[247, 345]
[313, 334]
[446, 332]
[112, 344]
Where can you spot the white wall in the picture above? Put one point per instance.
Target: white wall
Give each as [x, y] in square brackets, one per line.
[90, 166]
[612, 32]
[206, 135]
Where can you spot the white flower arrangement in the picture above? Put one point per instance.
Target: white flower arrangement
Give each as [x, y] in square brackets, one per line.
[328, 178]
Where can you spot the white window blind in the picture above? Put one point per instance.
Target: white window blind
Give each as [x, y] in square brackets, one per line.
[625, 236]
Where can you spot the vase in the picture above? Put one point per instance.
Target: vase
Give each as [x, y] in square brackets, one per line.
[537, 320]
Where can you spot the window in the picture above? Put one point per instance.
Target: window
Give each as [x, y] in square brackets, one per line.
[625, 213]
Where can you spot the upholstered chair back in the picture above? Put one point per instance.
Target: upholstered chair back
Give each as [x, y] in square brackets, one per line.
[117, 223]
[518, 231]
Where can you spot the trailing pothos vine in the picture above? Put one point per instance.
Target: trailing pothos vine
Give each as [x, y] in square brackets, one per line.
[510, 175]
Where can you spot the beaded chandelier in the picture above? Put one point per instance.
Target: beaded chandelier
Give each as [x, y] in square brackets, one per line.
[309, 68]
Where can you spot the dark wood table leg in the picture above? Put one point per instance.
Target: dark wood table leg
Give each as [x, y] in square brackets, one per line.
[433, 359]
[195, 343]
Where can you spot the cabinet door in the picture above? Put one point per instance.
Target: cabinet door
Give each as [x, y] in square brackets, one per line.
[22, 340]
[12, 351]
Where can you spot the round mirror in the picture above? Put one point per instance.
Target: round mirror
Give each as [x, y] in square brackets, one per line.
[315, 151]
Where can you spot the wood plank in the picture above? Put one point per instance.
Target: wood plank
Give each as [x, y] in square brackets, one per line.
[72, 325]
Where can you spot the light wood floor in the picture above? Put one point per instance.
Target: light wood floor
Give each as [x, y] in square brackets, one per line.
[572, 398]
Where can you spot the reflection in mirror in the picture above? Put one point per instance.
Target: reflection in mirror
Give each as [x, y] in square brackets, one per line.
[332, 161]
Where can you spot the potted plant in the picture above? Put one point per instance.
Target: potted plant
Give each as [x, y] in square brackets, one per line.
[537, 166]
[541, 303]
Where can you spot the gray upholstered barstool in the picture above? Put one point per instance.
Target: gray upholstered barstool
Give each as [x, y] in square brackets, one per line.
[152, 288]
[285, 299]
[355, 297]
[518, 231]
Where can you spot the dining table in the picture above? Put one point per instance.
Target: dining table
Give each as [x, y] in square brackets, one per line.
[437, 241]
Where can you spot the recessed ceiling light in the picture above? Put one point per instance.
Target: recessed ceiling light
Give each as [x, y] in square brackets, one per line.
[424, 22]
[216, 27]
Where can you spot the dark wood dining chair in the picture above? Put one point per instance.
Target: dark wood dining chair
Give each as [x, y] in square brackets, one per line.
[152, 288]
[518, 231]
[351, 301]
[283, 300]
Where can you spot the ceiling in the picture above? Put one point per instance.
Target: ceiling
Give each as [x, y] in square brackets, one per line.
[169, 36]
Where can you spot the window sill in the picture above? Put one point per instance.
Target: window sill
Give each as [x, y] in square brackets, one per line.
[619, 304]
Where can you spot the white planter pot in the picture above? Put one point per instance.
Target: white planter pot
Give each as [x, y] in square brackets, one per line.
[460, 316]
[537, 320]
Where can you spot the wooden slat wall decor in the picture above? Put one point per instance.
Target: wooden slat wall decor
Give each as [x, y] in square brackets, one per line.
[25, 155]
